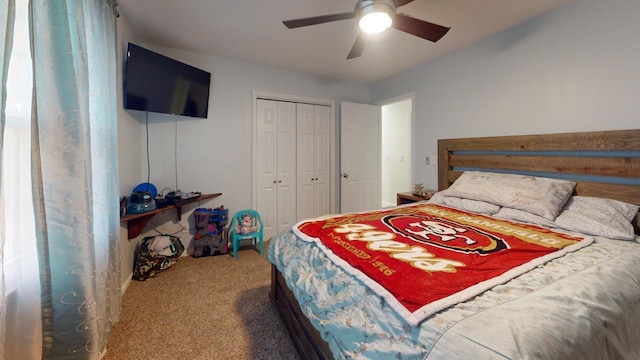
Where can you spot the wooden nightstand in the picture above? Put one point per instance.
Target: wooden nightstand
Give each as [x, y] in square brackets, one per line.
[408, 197]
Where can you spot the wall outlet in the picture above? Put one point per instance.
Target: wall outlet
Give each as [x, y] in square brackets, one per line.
[431, 159]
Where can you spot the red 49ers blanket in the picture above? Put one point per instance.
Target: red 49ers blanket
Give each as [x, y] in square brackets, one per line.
[424, 258]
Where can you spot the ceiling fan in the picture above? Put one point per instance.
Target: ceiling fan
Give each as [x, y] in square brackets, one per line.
[375, 16]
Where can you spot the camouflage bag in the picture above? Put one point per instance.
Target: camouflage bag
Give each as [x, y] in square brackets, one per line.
[157, 253]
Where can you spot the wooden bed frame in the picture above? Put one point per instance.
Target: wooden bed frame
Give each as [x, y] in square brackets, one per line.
[603, 164]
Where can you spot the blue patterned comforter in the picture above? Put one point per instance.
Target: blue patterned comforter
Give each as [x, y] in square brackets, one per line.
[584, 305]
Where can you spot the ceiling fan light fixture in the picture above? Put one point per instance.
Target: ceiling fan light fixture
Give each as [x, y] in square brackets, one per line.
[375, 17]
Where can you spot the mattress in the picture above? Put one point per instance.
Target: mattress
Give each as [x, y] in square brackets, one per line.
[585, 304]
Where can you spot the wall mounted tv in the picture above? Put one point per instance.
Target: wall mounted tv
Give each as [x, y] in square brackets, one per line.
[156, 83]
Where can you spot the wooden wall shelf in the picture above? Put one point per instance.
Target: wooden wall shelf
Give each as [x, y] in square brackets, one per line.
[137, 222]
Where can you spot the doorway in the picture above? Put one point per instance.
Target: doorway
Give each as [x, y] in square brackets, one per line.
[396, 150]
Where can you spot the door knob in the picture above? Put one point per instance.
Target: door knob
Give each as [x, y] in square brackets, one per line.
[345, 175]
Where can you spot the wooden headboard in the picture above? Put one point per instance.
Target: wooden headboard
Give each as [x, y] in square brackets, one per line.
[603, 164]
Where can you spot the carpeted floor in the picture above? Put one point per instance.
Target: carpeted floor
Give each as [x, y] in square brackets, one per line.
[213, 307]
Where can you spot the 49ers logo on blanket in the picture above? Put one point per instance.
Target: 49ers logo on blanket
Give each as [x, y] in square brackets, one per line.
[424, 257]
[445, 234]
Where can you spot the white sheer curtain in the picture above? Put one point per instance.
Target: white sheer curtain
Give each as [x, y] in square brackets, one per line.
[20, 290]
[59, 213]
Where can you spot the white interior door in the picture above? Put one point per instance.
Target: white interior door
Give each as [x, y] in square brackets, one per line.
[276, 151]
[313, 189]
[359, 157]
[321, 160]
[305, 168]
[267, 172]
[286, 166]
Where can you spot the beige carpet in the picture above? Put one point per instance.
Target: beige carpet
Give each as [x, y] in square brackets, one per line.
[202, 308]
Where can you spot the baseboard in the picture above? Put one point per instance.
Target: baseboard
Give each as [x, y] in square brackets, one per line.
[126, 284]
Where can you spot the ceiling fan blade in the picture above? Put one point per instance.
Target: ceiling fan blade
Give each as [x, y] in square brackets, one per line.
[358, 47]
[296, 23]
[420, 28]
[399, 3]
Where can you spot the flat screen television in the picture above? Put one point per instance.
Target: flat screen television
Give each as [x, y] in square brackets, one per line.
[157, 83]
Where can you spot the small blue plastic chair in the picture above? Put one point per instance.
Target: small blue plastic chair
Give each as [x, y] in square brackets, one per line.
[252, 230]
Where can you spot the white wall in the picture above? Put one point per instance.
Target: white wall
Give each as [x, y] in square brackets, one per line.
[396, 151]
[576, 68]
[213, 154]
[128, 155]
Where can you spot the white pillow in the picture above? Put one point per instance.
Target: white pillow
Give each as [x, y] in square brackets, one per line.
[540, 196]
[590, 205]
[523, 216]
[475, 206]
[601, 217]
[586, 215]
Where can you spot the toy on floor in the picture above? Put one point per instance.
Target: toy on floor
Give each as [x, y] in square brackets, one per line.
[211, 236]
[246, 225]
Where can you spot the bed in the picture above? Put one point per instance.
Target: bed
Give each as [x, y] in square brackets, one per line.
[584, 303]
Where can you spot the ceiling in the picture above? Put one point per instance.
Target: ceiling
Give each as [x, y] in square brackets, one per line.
[252, 30]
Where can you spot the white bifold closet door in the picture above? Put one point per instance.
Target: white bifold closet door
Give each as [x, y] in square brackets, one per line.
[313, 160]
[276, 166]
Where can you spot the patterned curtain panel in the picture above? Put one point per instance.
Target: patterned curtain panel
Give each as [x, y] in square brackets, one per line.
[75, 174]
